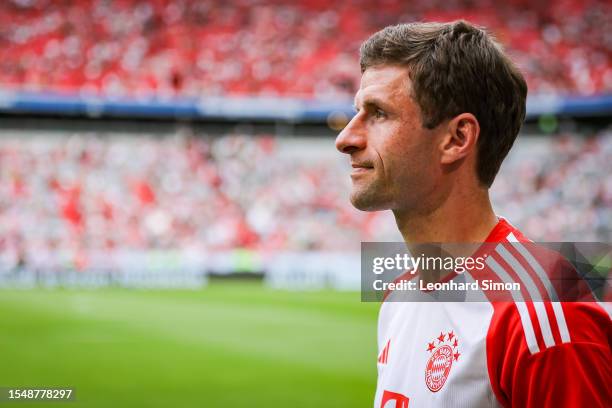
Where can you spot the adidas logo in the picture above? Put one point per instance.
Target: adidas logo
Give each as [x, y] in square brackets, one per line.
[384, 354]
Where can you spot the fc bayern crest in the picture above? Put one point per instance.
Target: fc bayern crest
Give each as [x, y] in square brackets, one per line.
[444, 350]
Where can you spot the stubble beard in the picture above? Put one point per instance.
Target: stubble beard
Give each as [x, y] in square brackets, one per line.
[368, 196]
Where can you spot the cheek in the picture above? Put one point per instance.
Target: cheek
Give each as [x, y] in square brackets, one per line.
[394, 143]
[413, 160]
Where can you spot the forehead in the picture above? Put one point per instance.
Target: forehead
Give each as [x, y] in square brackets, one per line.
[385, 81]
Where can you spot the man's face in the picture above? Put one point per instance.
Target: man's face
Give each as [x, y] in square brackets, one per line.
[394, 158]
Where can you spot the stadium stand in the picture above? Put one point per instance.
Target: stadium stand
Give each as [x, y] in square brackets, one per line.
[291, 48]
[77, 196]
[97, 193]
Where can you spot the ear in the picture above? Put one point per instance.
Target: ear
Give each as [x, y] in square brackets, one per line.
[460, 139]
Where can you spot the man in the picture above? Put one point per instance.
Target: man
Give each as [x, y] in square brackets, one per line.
[438, 109]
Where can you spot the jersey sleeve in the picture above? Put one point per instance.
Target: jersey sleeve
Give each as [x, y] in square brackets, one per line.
[569, 375]
[572, 369]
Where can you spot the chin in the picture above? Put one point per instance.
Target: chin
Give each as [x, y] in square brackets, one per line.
[367, 201]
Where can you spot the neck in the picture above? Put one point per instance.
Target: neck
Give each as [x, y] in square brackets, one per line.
[460, 217]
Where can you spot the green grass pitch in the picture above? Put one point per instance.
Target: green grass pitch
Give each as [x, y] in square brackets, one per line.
[228, 345]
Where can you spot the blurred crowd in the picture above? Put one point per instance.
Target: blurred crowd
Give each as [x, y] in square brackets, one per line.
[304, 48]
[558, 189]
[80, 194]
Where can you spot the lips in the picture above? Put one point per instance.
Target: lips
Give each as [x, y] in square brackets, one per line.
[360, 169]
[361, 166]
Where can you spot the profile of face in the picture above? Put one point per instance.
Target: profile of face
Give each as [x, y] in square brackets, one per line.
[394, 158]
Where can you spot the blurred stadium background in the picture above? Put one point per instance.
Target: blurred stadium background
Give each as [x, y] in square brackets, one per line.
[174, 220]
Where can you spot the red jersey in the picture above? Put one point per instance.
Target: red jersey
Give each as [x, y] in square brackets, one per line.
[517, 353]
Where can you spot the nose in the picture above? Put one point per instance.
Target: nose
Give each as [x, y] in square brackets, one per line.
[352, 138]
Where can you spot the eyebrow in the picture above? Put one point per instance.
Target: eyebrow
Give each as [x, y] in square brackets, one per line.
[371, 101]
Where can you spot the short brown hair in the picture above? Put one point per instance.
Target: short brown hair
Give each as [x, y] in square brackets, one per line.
[455, 68]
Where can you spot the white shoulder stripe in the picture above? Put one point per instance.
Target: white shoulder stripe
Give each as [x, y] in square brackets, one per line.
[530, 338]
[565, 336]
[538, 305]
[512, 238]
[533, 263]
[558, 310]
[532, 343]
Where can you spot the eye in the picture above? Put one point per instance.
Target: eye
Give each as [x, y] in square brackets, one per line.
[379, 114]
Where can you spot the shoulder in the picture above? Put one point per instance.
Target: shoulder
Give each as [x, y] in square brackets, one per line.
[554, 306]
[527, 328]
[534, 348]
[537, 339]
[541, 270]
